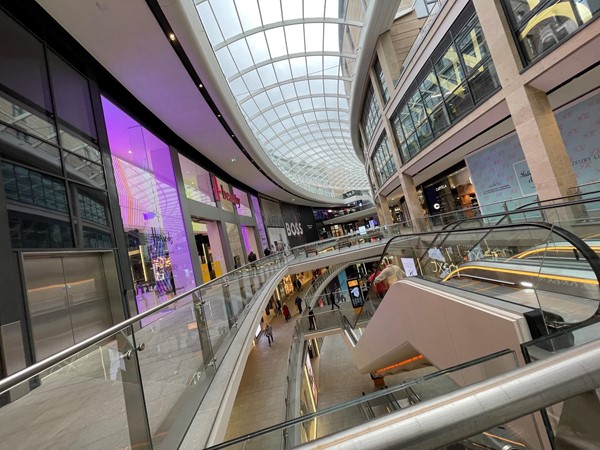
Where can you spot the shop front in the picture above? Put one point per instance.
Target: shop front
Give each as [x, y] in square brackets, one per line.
[151, 211]
[450, 192]
[227, 221]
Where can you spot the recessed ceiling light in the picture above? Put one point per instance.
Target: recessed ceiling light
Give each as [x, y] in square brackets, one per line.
[293, 199]
[233, 135]
[200, 85]
[218, 115]
[172, 36]
[129, 152]
[233, 160]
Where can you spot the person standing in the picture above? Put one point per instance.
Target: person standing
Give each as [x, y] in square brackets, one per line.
[312, 321]
[269, 333]
[251, 256]
[267, 251]
[298, 303]
[277, 307]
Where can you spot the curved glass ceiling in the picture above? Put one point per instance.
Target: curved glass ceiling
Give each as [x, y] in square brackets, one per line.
[289, 65]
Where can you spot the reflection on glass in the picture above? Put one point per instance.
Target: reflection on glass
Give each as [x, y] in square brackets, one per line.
[430, 91]
[197, 182]
[484, 80]
[449, 71]
[383, 161]
[539, 26]
[416, 108]
[84, 171]
[26, 118]
[424, 134]
[472, 46]
[98, 380]
[74, 144]
[371, 114]
[27, 186]
[244, 206]
[439, 120]
[459, 102]
[91, 208]
[406, 120]
[33, 231]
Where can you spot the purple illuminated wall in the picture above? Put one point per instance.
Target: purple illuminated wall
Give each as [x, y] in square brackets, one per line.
[259, 222]
[147, 189]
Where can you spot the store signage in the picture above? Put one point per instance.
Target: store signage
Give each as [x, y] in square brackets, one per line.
[439, 188]
[221, 192]
[294, 229]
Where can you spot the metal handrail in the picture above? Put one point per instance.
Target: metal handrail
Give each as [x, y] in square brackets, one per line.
[475, 409]
[36, 368]
[12, 380]
[366, 398]
[579, 244]
[519, 210]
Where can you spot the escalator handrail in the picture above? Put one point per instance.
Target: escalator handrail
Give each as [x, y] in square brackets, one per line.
[579, 244]
[503, 215]
[561, 332]
[35, 369]
[365, 398]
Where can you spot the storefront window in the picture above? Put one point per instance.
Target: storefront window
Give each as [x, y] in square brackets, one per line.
[150, 209]
[541, 25]
[223, 194]
[235, 243]
[197, 182]
[244, 205]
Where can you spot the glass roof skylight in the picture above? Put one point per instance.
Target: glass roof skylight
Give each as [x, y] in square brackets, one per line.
[289, 65]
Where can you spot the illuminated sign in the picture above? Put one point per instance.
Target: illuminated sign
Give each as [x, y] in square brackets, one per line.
[219, 191]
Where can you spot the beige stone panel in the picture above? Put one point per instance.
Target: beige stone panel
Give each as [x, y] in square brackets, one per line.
[542, 143]
[383, 211]
[411, 197]
[500, 42]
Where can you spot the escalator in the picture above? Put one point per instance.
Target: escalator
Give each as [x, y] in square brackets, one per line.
[379, 404]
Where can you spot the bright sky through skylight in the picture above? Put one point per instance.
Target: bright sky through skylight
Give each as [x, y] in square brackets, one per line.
[289, 66]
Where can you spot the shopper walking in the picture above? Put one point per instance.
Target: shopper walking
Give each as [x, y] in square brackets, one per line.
[269, 333]
[286, 312]
[277, 307]
[298, 303]
[332, 300]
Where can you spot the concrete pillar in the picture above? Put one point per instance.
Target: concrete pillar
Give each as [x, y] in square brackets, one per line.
[383, 211]
[411, 197]
[534, 120]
